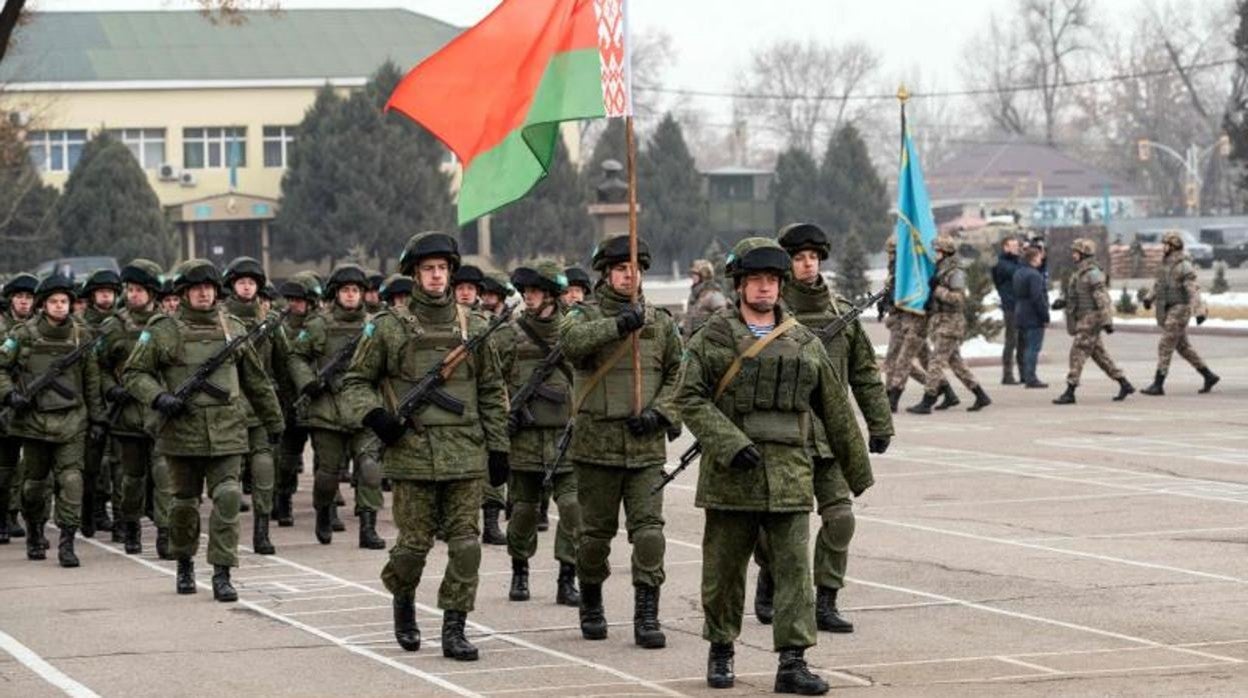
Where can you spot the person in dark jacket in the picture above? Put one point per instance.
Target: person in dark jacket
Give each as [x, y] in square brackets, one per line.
[1002, 277]
[1031, 313]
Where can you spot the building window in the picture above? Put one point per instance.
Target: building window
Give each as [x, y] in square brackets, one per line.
[215, 147]
[147, 145]
[277, 140]
[732, 187]
[56, 151]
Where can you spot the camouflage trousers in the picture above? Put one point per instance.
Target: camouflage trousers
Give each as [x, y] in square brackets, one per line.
[64, 462]
[1174, 338]
[139, 463]
[190, 475]
[417, 504]
[1088, 343]
[294, 438]
[526, 492]
[907, 341]
[728, 538]
[10, 478]
[602, 490]
[331, 451]
[836, 528]
[263, 470]
[947, 352]
[494, 496]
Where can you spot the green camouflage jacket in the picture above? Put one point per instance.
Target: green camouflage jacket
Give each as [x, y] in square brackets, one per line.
[27, 353]
[320, 339]
[121, 334]
[533, 446]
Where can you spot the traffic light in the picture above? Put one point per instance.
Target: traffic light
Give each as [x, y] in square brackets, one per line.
[1145, 149]
[1192, 194]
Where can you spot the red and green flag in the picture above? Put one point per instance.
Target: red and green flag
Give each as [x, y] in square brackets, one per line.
[497, 93]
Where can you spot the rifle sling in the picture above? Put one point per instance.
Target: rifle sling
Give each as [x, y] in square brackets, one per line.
[601, 373]
[541, 344]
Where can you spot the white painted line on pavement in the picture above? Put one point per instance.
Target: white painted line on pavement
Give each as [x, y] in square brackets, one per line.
[1135, 534]
[1026, 665]
[1026, 500]
[31, 660]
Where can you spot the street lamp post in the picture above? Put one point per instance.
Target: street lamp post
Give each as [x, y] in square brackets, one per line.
[1191, 163]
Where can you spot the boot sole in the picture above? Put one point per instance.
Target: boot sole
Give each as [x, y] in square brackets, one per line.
[188, 592]
[461, 657]
[720, 683]
[593, 635]
[408, 647]
[797, 691]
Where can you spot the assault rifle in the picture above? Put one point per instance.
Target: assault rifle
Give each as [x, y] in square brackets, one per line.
[51, 378]
[535, 387]
[428, 390]
[826, 333]
[330, 371]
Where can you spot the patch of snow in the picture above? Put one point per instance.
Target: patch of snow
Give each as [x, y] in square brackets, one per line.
[1231, 299]
[974, 348]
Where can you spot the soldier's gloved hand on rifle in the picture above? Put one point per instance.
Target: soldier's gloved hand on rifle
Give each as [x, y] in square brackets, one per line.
[384, 425]
[1200, 319]
[500, 466]
[630, 320]
[513, 423]
[17, 401]
[1058, 304]
[747, 458]
[878, 444]
[116, 394]
[168, 404]
[647, 422]
[97, 431]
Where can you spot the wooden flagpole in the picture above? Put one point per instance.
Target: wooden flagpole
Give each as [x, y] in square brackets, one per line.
[632, 255]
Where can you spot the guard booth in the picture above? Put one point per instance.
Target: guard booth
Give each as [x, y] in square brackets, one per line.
[224, 226]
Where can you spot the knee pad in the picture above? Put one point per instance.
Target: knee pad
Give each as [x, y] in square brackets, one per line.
[226, 499]
[594, 551]
[184, 513]
[463, 558]
[649, 547]
[369, 471]
[71, 484]
[569, 510]
[407, 563]
[524, 513]
[838, 526]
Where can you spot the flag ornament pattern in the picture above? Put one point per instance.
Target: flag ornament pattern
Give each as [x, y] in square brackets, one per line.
[915, 231]
[614, 58]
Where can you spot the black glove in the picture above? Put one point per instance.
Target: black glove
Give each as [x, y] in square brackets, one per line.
[17, 401]
[168, 404]
[1058, 304]
[384, 425]
[630, 320]
[647, 422]
[499, 465]
[747, 458]
[97, 431]
[116, 394]
[1200, 319]
[878, 444]
[1109, 329]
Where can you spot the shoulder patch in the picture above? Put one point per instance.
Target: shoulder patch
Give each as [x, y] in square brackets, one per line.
[9, 345]
[370, 328]
[145, 336]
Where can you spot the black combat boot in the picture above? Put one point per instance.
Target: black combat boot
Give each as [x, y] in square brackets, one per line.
[334, 522]
[99, 510]
[324, 525]
[764, 598]
[369, 540]
[1007, 375]
[593, 619]
[566, 594]
[543, 516]
[1158, 386]
[827, 617]
[1124, 389]
[1066, 398]
[948, 397]
[1211, 379]
[924, 407]
[283, 510]
[4, 516]
[406, 632]
[134, 537]
[222, 589]
[36, 546]
[981, 400]
[65, 549]
[260, 542]
[491, 534]
[162, 543]
[88, 505]
[719, 672]
[454, 644]
[894, 397]
[186, 576]
[794, 676]
[244, 506]
[1036, 383]
[647, 632]
[15, 526]
[519, 580]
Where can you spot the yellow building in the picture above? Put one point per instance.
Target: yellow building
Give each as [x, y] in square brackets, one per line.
[208, 109]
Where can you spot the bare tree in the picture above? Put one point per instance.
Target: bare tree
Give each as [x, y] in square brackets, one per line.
[10, 15]
[992, 63]
[1056, 32]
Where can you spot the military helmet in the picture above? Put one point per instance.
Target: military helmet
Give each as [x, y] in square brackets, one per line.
[395, 284]
[428, 244]
[165, 290]
[468, 274]
[576, 276]
[758, 254]
[56, 283]
[143, 272]
[703, 268]
[798, 237]
[304, 284]
[343, 275]
[614, 251]
[498, 285]
[245, 267]
[375, 279]
[542, 274]
[1084, 247]
[1172, 239]
[193, 272]
[946, 244]
[102, 278]
[268, 291]
[22, 283]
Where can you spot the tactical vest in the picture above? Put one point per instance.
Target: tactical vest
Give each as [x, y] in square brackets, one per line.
[337, 336]
[1171, 282]
[425, 346]
[44, 352]
[198, 344]
[1081, 296]
[944, 276]
[527, 357]
[612, 398]
[771, 394]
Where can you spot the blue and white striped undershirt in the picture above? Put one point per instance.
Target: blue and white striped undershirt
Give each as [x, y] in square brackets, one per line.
[761, 330]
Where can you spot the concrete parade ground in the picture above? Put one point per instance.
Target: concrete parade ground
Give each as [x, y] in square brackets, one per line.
[1029, 549]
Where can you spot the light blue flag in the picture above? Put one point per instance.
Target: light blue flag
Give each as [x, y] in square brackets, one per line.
[916, 230]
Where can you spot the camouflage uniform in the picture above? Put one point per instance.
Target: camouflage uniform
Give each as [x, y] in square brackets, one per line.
[705, 297]
[900, 325]
[10, 446]
[306, 286]
[946, 325]
[494, 497]
[1177, 297]
[1088, 313]
[101, 473]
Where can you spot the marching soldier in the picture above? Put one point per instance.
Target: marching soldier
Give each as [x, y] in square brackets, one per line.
[617, 455]
[168, 300]
[335, 438]
[19, 294]
[705, 296]
[141, 279]
[578, 289]
[372, 294]
[494, 292]
[946, 325]
[754, 381]
[436, 463]
[852, 355]
[897, 323]
[1177, 296]
[466, 284]
[53, 423]
[535, 428]
[1088, 312]
[396, 291]
[100, 483]
[302, 292]
[203, 435]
